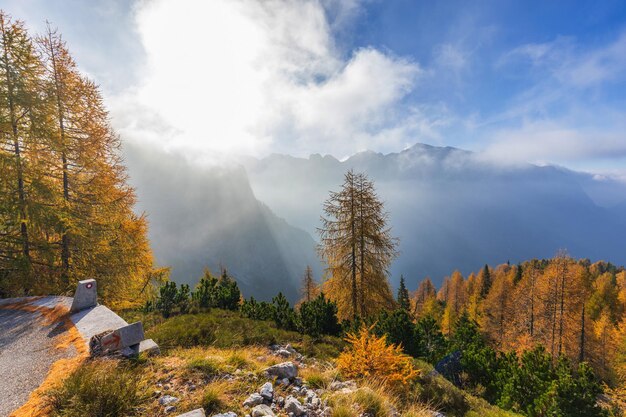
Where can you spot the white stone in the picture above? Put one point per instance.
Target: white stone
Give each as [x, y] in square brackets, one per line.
[228, 414]
[262, 410]
[253, 400]
[167, 400]
[283, 370]
[267, 391]
[86, 295]
[292, 405]
[199, 412]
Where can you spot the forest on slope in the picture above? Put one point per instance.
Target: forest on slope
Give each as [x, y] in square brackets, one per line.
[66, 211]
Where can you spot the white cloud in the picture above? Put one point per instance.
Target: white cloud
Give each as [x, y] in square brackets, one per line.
[552, 142]
[569, 64]
[251, 76]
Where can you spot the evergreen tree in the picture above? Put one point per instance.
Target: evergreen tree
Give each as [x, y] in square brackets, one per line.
[404, 301]
[318, 317]
[284, 316]
[484, 280]
[399, 329]
[167, 298]
[257, 310]
[431, 344]
[227, 292]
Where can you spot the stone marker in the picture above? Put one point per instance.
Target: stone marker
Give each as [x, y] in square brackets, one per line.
[86, 295]
[123, 337]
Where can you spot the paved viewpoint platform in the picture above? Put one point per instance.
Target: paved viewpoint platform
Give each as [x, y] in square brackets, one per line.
[33, 336]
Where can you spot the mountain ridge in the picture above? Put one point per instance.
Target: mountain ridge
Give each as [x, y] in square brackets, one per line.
[472, 210]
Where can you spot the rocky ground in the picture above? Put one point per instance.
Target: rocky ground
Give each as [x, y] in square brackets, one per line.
[280, 391]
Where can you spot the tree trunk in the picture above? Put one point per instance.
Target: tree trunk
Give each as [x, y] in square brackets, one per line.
[16, 146]
[65, 239]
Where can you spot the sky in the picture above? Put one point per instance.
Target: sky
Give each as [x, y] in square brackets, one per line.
[520, 81]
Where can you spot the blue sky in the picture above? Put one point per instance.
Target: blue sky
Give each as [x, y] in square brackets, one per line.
[536, 81]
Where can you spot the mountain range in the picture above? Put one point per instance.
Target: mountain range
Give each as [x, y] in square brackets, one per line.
[452, 209]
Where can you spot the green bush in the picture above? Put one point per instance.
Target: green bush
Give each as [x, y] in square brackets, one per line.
[255, 310]
[167, 298]
[284, 315]
[221, 293]
[319, 317]
[99, 389]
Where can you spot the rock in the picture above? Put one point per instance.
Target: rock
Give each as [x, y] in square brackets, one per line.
[262, 410]
[267, 391]
[284, 381]
[437, 414]
[170, 409]
[297, 381]
[327, 412]
[199, 412]
[280, 401]
[316, 402]
[228, 414]
[283, 370]
[292, 405]
[341, 385]
[309, 394]
[283, 352]
[167, 400]
[290, 349]
[253, 400]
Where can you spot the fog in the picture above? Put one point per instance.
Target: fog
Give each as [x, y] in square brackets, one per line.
[451, 209]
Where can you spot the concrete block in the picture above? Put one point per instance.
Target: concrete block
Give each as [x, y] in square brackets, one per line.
[149, 347]
[123, 337]
[86, 295]
[194, 413]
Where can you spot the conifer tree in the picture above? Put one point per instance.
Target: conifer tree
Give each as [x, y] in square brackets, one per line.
[357, 246]
[66, 210]
[426, 292]
[309, 287]
[22, 174]
[403, 296]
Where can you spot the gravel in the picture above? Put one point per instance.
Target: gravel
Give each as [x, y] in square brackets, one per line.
[27, 350]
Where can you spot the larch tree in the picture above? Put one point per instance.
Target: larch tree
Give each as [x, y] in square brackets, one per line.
[498, 305]
[66, 209]
[23, 180]
[358, 248]
[425, 293]
[309, 288]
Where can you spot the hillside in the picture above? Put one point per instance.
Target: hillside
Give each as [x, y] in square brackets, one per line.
[209, 217]
[453, 209]
[225, 371]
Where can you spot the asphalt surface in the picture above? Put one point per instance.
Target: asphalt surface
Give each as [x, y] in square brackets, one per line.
[27, 350]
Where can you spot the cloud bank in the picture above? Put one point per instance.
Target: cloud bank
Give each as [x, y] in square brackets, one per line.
[249, 76]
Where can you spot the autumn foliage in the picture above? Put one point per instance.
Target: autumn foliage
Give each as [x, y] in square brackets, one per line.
[370, 357]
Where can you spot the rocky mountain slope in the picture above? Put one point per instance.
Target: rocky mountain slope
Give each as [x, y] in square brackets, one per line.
[209, 217]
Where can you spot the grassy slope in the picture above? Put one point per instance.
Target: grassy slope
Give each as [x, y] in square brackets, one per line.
[216, 359]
